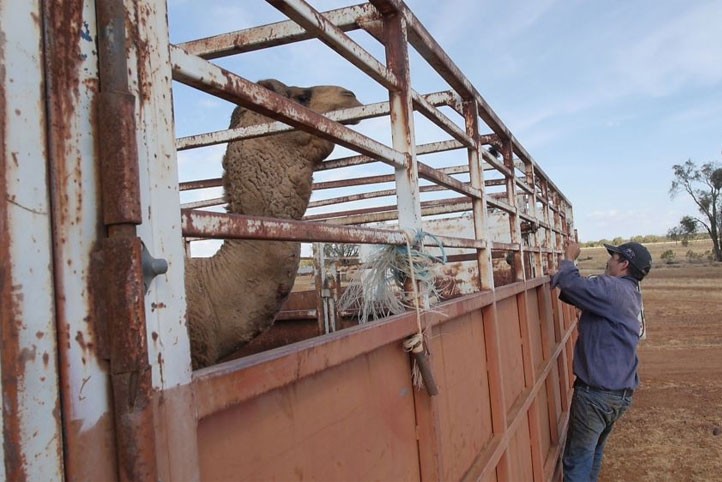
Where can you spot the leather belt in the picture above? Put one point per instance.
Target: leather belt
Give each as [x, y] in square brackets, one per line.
[623, 392]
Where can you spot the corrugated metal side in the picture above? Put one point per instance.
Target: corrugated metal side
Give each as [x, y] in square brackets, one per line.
[32, 439]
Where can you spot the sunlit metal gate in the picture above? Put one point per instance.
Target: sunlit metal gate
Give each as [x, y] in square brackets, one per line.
[96, 375]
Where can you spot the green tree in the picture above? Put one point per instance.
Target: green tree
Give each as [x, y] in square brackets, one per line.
[704, 185]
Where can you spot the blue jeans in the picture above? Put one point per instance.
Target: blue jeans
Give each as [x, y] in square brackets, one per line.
[591, 418]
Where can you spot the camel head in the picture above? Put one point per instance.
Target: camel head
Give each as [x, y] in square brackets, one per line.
[320, 98]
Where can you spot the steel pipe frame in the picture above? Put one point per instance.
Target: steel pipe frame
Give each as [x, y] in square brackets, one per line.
[236, 226]
[332, 35]
[342, 20]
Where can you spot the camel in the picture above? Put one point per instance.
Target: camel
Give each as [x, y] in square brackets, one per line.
[236, 294]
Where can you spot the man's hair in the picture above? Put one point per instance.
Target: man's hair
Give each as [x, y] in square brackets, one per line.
[633, 271]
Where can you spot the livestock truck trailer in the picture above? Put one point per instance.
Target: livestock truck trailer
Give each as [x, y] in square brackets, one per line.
[116, 154]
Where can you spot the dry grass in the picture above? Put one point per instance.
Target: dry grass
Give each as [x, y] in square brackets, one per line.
[595, 259]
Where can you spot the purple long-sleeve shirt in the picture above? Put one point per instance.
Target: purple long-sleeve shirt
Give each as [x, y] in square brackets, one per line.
[605, 354]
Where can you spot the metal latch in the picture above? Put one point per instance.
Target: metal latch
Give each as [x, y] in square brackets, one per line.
[152, 267]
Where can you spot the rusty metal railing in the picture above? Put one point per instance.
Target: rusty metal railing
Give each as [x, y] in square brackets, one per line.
[539, 215]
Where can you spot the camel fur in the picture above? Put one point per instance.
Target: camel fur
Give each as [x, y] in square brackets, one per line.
[236, 294]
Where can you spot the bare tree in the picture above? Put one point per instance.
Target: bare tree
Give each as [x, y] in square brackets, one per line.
[340, 250]
[704, 185]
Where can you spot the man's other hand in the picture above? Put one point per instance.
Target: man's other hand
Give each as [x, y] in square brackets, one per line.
[572, 250]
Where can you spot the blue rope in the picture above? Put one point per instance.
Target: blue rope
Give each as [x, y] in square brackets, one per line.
[421, 271]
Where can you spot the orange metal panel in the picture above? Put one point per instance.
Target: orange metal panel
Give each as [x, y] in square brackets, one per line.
[464, 408]
[535, 328]
[527, 317]
[520, 454]
[356, 418]
[543, 415]
[510, 347]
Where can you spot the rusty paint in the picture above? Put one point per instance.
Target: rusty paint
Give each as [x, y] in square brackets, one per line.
[280, 33]
[64, 26]
[86, 440]
[11, 370]
[228, 226]
[129, 365]
[138, 32]
[118, 156]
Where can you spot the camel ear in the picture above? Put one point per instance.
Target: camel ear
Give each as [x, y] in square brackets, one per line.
[276, 86]
[236, 116]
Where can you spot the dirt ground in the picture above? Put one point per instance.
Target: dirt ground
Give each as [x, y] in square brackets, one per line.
[673, 431]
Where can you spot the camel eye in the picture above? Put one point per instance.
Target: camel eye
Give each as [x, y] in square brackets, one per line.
[304, 97]
[348, 93]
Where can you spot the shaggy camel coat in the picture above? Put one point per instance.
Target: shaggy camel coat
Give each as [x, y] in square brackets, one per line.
[236, 294]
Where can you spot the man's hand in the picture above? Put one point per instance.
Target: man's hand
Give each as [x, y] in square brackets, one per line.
[571, 250]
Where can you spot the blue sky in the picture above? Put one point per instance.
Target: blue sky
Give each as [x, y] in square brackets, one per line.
[605, 95]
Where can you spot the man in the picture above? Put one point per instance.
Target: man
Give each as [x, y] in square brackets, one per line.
[605, 354]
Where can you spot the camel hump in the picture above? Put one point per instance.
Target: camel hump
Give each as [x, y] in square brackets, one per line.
[320, 98]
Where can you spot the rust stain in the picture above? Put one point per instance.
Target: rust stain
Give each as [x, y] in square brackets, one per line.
[92, 455]
[137, 24]
[10, 313]
[27, 355]
[64, 63]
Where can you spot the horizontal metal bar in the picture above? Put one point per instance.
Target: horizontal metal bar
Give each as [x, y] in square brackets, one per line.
[435, 175]
[439, 177]
[421, 149]
[499, 204]
[275, 34]
[367, 195]
[497, 245]
[205, 224]
[297, 315]
[315, 23]
[203, 75]
[216, 201]
[200, 184]
[389, 212]
[370, 111]
[290, 363]
[261, 130]
[441, 120]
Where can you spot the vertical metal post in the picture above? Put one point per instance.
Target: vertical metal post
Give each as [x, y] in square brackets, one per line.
[514, 226]
[119, 260]
[548, 243]
[319, 266]
[536, 245]
[150, 82]
[32, 443]
[402, 122]
[476, 174]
